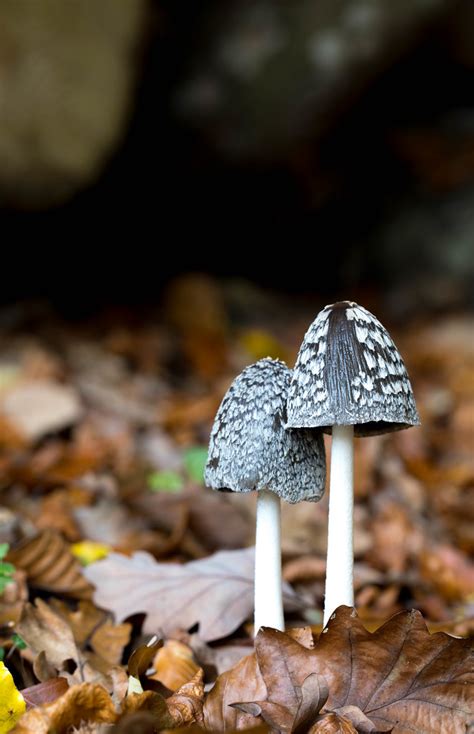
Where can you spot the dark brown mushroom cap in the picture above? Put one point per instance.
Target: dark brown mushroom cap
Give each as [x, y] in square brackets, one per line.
[349, 372]
[250, 449]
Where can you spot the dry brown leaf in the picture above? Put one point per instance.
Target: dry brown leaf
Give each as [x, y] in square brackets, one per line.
[45, 692]
[50, 565]
[182, 708]
[398, 677]
[142, 657]
[300, 709]
[109, 641]
[174, 665]
[82, 703]
[216, 592]
[83, 621]
[333, 724]
[56, 514]
[304, 568]
[42, 668]
[449, 571]
[44, 630]
[243, 683]
[396, 537]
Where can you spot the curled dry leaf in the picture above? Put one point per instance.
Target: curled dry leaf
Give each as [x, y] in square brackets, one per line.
[216, 592]
[333, 724]
[141, 658]
[174, 665]
[182, 708]
[85, 703]
[50, 565]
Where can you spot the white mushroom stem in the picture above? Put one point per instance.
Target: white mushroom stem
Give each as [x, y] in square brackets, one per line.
[268, 583]
[340, 555]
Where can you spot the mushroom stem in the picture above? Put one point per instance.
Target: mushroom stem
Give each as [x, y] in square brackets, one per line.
[268, 584]
[340, 555]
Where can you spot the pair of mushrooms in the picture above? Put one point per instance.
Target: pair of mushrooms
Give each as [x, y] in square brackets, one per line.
[349, 379]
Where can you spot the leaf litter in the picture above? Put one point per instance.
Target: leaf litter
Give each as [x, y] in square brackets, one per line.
[110, 462]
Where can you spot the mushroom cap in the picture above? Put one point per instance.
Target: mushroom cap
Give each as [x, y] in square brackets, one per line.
[349, 372]
[250, 449]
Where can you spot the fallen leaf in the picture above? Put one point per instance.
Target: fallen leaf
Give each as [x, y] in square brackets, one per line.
[45, 692]
[12, 703]
[56, 514]
[182, 708]
[83, 621]
[216, 592]
[141, 658]
[333, 724]
[243, 683]
[40, 407]
[84, 703]
[448, 570]
[89, 551]
[50, 565]
[399, 677]
[299, 713]
[174, 665]
[109, 640]
[44, 630]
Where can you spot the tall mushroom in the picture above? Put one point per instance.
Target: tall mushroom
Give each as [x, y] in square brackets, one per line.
[250, 449]
[349, 379]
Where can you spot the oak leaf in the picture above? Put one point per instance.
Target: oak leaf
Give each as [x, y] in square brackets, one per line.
[399, 678]
[216, 592]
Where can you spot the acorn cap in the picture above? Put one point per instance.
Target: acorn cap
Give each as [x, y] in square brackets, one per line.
[250, 449]
[349, 372]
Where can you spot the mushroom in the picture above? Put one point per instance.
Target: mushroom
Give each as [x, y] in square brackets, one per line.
[349, 379]
[250, 449]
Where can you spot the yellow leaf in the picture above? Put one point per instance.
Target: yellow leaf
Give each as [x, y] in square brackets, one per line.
[12, 703]
[88, 551]
[260, 343]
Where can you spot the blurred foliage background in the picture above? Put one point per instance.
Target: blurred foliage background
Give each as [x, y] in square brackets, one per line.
[318, 146]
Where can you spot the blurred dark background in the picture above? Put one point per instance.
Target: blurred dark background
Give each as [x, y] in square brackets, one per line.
[320, 146]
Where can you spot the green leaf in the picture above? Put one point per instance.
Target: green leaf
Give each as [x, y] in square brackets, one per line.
[195, 459]
[6, 569]
[18, 641]
[165, 481]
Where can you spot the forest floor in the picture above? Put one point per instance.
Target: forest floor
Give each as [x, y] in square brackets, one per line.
[108, 535]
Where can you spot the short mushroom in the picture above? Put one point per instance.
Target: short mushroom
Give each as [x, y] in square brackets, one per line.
[349, 379]
[250, 449]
